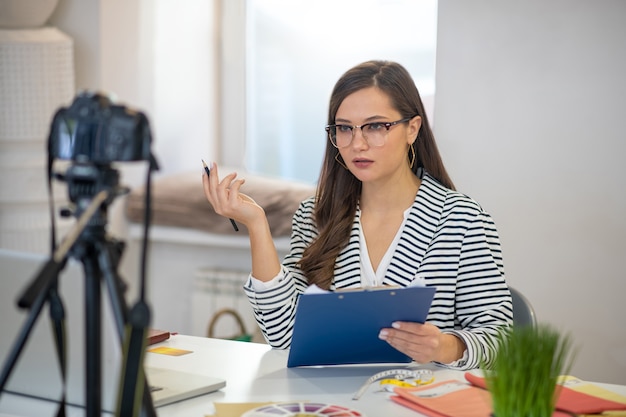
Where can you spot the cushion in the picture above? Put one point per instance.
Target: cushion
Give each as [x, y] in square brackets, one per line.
[178, 200]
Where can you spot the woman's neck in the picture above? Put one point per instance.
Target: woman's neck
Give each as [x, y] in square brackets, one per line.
[394, 194]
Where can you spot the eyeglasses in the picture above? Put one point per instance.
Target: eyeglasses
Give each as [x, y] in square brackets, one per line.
[374, 133]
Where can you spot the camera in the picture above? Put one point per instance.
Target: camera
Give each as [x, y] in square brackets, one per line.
[94, 129]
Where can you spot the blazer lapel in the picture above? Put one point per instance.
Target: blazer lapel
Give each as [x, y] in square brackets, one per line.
[348, 265]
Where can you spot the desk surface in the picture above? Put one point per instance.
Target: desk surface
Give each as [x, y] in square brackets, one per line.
[256, 373]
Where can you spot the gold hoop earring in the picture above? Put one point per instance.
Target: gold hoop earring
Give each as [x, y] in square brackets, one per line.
[340, 162]
[412, 156]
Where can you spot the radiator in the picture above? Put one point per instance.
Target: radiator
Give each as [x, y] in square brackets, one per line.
[218, 289]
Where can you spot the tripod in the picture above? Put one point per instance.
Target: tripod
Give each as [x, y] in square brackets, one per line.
[92, 188]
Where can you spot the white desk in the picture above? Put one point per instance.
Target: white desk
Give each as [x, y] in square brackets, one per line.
[256, 373]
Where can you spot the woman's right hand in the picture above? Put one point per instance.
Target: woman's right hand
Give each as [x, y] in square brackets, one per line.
[226, 199]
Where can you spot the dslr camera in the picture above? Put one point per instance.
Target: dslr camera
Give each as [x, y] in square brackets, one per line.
[93, 129]
[93, 132]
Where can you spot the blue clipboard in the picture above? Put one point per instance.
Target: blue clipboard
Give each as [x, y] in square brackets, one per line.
[341, 328]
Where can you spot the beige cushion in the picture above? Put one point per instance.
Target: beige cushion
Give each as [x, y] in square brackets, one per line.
[178, 200]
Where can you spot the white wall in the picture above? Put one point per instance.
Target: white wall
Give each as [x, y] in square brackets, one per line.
[80, 20]
[530, 109]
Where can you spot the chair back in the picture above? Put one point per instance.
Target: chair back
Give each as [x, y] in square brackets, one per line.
[523, 312]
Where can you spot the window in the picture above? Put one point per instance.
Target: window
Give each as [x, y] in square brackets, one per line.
[292, 53]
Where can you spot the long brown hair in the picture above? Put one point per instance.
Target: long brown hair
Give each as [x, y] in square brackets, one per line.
[338, 191]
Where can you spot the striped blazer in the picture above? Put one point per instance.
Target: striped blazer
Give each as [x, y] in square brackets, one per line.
[448, 241]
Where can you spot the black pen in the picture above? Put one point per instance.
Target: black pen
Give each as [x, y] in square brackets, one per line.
[206, 168]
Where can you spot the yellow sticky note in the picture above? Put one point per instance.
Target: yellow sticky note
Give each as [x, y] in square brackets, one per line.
[164, 350]
[235, 409]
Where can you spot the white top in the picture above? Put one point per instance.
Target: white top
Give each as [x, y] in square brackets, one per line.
[369, 277]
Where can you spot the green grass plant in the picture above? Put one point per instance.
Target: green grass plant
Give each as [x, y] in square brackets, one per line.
[523, 378]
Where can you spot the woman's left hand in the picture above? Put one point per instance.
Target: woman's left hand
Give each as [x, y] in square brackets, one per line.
[423, 342]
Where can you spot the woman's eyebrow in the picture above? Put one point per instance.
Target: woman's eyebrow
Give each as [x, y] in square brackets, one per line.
[367, 120]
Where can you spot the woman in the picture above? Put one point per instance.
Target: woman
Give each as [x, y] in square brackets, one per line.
[385, 213]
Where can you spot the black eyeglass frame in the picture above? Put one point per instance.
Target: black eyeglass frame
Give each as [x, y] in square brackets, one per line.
[387, 126]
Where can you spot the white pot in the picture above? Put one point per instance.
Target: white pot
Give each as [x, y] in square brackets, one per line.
[25, 14]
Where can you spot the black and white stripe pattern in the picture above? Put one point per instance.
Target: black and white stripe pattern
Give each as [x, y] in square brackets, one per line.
[449, 241]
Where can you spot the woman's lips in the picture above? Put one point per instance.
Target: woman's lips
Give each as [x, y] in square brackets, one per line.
[362, 163]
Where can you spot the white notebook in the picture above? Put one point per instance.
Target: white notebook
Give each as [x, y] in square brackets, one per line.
[36, 372]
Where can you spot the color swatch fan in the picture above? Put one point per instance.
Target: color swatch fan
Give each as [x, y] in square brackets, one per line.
[303, 409]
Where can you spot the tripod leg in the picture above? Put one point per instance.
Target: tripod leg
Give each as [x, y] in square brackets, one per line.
[134, 385]
[107, 260]
[93, 338]
[20, 342]
[132, 328]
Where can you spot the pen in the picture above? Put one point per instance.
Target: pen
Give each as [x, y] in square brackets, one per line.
[206, 168]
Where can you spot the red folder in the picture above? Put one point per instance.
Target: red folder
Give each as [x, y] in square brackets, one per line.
[455, 398]
[569, 400]
[450, 398]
